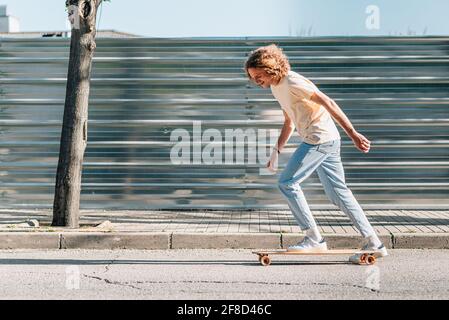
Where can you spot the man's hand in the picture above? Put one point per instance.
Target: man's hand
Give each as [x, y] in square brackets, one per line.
[272, 164]
[361, 142]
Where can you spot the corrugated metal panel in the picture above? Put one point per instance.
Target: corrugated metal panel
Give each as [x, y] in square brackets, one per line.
[395, 91]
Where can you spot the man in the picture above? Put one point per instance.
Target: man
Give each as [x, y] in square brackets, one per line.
[311, 112]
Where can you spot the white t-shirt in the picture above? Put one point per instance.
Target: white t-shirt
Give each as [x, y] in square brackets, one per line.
[312, 121]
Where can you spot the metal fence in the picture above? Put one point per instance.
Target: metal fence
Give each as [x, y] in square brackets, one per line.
[394, 90]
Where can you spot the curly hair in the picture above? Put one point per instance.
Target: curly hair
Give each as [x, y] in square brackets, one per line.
[270, 58]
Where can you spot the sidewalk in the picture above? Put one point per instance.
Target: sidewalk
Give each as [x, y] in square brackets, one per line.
[216, 229]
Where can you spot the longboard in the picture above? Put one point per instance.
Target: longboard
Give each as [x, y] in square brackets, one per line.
[364, 257]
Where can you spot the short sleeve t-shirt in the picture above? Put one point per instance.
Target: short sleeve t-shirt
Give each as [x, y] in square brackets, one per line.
[312, 121]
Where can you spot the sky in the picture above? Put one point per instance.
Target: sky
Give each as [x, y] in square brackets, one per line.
[245, 18]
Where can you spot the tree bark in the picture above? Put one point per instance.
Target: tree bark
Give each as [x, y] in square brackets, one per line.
[74, 128]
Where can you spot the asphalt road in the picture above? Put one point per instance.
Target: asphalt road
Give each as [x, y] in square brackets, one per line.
[218, 274]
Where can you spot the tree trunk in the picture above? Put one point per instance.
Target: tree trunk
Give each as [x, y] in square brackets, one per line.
[74, 128]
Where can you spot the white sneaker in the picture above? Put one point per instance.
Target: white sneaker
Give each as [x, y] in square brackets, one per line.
[309, 245]
[380, 251]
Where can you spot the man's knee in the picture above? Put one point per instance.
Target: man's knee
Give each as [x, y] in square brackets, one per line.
[281, 184]
[288, 185]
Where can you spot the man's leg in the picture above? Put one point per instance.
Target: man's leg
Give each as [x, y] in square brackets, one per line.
[331, 174]
[304, 161]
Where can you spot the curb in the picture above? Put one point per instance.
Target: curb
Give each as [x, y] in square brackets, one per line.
[140, 241]
[421, 241]
[225, 241]
[175, 240]
[29, 240]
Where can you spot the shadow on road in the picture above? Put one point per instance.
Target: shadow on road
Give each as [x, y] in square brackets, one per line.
[31, 262]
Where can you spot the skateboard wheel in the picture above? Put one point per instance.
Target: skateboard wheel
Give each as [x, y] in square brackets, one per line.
[363, 258]
[265, 261]
[371, 259]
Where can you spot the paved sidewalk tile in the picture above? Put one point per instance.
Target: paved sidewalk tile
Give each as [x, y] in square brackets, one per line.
[255, 221]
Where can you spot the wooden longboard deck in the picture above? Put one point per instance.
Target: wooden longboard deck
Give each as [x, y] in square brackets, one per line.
[328, 252]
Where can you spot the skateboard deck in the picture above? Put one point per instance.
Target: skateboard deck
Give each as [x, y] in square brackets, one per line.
[364, 257]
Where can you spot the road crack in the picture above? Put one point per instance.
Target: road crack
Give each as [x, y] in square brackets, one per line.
[132, 284]
[118, 283]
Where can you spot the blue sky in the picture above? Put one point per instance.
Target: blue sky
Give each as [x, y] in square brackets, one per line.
[207, 18]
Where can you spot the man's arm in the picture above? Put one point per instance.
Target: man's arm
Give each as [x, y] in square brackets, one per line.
[286, 132]
[360, 141]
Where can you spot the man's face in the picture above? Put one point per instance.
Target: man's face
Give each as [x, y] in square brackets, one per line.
[260, 77]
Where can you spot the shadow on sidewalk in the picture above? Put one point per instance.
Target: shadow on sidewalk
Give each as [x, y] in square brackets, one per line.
[76, 262]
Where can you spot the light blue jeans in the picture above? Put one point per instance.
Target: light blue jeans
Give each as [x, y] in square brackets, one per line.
[325, 159]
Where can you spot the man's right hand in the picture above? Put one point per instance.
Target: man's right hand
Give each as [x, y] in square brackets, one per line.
[272, 164]
[361, 142]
